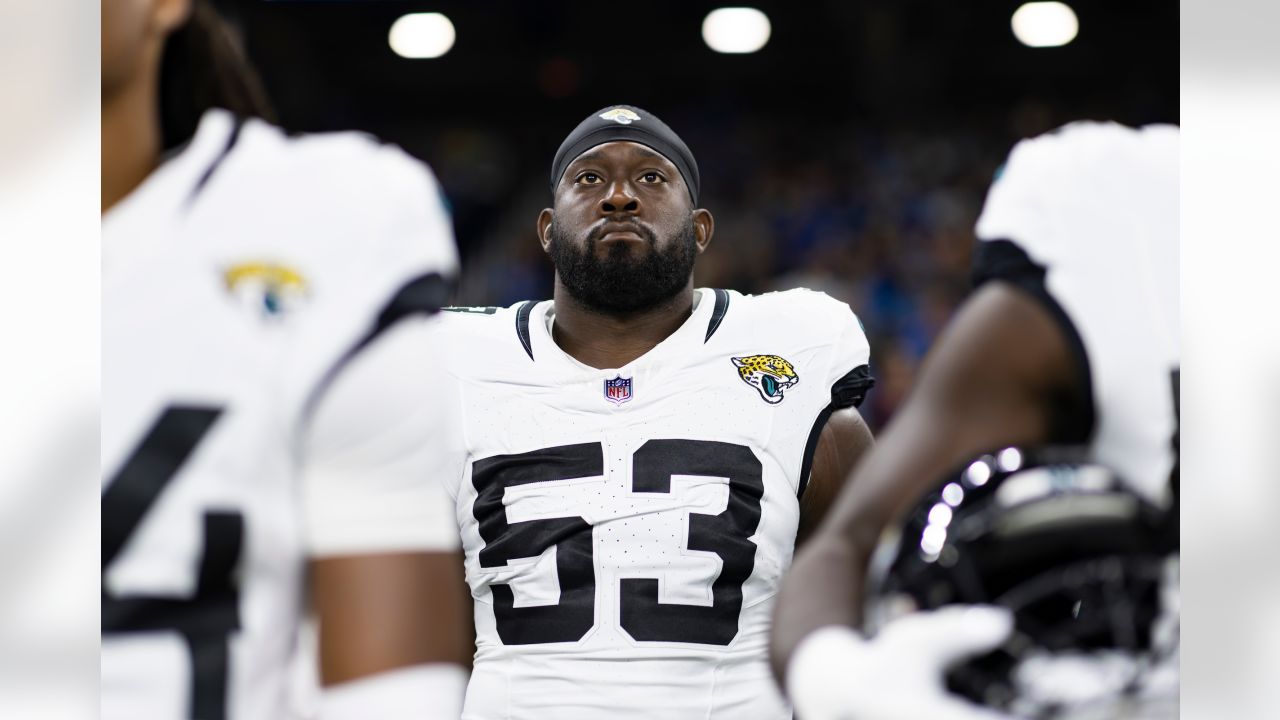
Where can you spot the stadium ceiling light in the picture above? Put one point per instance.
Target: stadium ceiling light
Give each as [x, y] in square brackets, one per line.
[736, 30]
[421, 35]
[1045, 24]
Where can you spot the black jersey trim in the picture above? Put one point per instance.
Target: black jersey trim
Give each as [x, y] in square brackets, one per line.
[1006, 261]
[522, 326]
[717, 313]
[1172, 522]
[851, 389]
[207, 175]
[811, 447]
[423, 295]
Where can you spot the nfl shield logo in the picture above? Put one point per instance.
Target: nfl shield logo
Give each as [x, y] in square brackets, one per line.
[617, 390]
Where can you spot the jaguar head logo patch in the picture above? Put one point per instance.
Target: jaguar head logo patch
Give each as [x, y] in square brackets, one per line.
[770, 375]
[268, 288]
[622, 116]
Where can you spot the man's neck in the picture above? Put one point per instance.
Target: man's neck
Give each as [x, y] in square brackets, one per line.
[608, 341]
[131, 141]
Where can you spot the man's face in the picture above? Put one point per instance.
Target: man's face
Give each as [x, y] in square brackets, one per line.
[624, 234]
[132, 32]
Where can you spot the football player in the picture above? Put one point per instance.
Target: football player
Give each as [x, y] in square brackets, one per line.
[253, 286]
[636, 458]
[1071, 337]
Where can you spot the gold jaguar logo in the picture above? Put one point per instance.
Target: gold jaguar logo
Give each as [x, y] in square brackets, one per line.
[768, 374]
[270, 288]
[622, 116]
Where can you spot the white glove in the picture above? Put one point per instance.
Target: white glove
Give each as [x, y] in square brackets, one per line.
[836, 674]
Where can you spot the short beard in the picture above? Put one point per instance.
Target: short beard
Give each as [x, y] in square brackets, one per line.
[623, 284]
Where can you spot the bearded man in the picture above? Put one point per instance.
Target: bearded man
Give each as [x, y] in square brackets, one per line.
[637, 458]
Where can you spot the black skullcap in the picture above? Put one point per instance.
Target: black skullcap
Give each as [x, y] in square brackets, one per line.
[626, 122]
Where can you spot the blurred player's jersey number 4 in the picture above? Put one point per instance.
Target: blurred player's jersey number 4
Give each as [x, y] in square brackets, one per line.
[206, 619]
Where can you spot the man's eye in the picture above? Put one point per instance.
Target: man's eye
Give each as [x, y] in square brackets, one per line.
[589, 178]
[651, 177]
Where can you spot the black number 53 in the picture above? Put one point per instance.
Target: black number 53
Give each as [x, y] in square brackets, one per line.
[726, 534]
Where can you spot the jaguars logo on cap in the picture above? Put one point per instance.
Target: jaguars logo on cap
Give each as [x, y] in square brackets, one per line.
[622, 116]
[770, 375]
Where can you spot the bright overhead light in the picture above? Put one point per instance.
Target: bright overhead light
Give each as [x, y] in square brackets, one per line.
[421, 35]
[1045, 24]
[736, 30]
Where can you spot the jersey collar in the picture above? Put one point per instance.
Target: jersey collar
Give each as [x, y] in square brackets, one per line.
[689, 334]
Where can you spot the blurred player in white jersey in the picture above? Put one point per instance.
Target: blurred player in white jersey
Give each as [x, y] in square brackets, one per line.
[252, 286]
[1071, 337]
[635, 458]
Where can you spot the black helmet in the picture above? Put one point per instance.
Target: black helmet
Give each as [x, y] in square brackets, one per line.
[1079, 558]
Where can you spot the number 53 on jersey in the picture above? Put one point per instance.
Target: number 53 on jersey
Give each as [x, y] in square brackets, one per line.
[641, 614]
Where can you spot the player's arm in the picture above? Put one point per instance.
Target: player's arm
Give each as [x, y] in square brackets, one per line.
[844, 436]
[408, 589]
[386, 575]
[990, 381]
[842, 442]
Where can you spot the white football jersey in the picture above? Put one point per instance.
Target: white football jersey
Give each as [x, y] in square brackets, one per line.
[625, 529]
[1086, 218]
[237, 280]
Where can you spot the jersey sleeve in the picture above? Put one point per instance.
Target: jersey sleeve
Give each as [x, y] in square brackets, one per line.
[850, 373]
[387, 253]
[359, 206]
[413, 260]
[1019, 206]
[1046, 199]
[1027, 210]
[1048, 228]
[383, 443]
[417, 221]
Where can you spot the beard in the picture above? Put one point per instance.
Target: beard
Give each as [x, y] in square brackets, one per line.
[627, 280]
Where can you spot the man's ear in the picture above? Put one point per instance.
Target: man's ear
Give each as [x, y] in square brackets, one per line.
[704, 226]
[544, 228]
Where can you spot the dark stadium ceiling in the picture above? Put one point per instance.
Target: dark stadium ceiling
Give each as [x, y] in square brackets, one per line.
[328, 63]
[834, 76]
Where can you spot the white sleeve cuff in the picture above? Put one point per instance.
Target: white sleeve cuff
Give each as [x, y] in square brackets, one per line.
[422, 692]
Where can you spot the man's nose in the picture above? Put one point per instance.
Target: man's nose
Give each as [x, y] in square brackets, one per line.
[620, 198]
